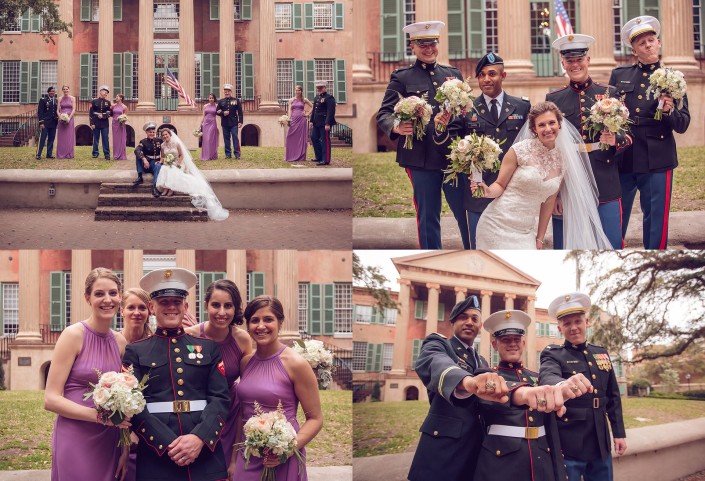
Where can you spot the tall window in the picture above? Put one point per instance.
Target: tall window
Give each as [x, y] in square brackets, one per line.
[285, 80]
[387, 358]
[11, 81]
[67, 296]
[10, 308]
[166, 15]
[95, 7]
[238, 75]
[197, 71]
[390, 316]
[119, 323]
[49, 76]
[322, 16]
[303, 306]
[359, 356]
[14, 27]
[697, 34]
[237, 9]
[617, 25]
[343, 308]
[324, 71]
[94, 75]
[283, 14]
[491, 30]
[409, 18]
[135, 76]
[363, 314]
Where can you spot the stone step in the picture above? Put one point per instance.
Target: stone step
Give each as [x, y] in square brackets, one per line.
[127, 188]
[143, 199]
[149, 214]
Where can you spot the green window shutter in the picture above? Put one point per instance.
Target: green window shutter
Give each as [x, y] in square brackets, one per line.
[379, 348]
[415, 350]
[117, 73]
[206, 75]
[314, 304]
[299, 72]
[456, 28]
[25, 22]
[246, 11]
[56, 301]
[256, 284]
[85, 90]
[391, 35]
[36, 22]
[310, 79]
[248, 76]
[215, 10]
[85, 10]
[339, 16]
[34, 94]
[308, 16]
[341, 95]
[2, 321]
[117, 11]
[631, 9]
[476, 29]
[441, 311]
[297, 17]
[418, 309]
[205, 280]
[215, 69]
[369, 363]
[0, 88]
[651, 8]
[128, 59]
[328, 309]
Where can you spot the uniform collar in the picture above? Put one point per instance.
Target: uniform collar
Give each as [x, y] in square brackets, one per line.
[169, 331]
[499, 98]
[577, 347]
[649, 67]
[323, 94]
[510, 365]
[581, 85]
[426, 66]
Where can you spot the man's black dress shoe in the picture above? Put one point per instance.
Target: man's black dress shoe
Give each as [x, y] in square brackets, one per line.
[155, 192]
[137, 181]
[50, 157]
[38, 157]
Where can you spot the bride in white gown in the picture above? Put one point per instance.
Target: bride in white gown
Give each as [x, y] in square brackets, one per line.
[184, 176]
[544, 160]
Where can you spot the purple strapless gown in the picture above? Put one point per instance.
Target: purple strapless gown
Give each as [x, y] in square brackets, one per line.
[209, 141]
[119, 134]
[66, 136]
[86, 451]
[297, 137]
[267, 382]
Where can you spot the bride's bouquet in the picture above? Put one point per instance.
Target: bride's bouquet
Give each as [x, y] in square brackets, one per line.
[454, 97]
[117, 396]
[269, 434]
[197, 133]
[284, 120]
[319, 358]
[418, 111]
[607, 114]
[64, 118]
[123, 119]
[666, 81]
[472, 155]
[170, 161]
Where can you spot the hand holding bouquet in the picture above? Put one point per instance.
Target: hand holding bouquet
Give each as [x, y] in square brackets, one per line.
[170, 161]
[123, 119]
[607, 114]
[118, 396]
[319, 358]
[284, 120]
[415, 110]
[453, 97]
[197, 133]
[666, 81]
[471, 155]
[269, 435]
[64, 118]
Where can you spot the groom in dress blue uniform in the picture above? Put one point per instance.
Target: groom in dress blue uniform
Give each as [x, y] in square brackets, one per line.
[187, 393]
[98, 114]
[147, 155]
[48, 120]
[496, 114]
[423, 163]
[648, 165]
[229, 109]
[575, 101]
[322, 121]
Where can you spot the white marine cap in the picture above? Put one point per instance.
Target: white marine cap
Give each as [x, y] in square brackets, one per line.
[636, 26]
[149, 126]
[104, 87]
[321, 83]
[573, 45]
[505, 323]
[173, 282]
[572, 303]
[424, 32]
[227, 87]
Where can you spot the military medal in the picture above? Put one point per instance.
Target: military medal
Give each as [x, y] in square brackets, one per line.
[198, 352]
[323, 101]
[191, 354]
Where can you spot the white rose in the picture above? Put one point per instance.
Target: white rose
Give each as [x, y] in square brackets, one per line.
[100, 396]
[463, 146]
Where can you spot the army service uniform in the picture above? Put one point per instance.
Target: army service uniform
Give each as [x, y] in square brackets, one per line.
[49, 119]
[187, 393]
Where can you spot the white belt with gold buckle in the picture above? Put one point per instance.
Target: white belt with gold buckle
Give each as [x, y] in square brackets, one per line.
[590, 147]
[534, 432]
[177, 406]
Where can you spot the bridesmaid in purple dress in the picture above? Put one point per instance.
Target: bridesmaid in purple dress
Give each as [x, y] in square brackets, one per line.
[66, 138]
[83, 448]
[119, 129]
[299, 109]
[209, 129]
[274, 373]
[224, 305]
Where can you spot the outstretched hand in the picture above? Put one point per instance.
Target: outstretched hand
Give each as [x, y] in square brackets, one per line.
[489, 386]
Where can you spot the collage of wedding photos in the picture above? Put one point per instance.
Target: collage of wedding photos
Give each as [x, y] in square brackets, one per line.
[352, 240]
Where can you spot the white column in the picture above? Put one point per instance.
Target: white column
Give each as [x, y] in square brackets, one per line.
[227, 42]
[677, 35]
[531, 361]
[236, 271]
[133, 262]
[460, 294]
[186, 52]
[434, 291]
[486, 307]
[361, 70]
[596, 20]
[514, 41]
[29, 300]
[286, 277]
[145, 66]
[401, 334]
[186, 259]
[80, 268]
[268, 58]
[509, 301]
[65, 48]
[105, 43]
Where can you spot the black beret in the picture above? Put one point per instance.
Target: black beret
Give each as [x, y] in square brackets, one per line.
[50, 89]
[488, 59]
[470, 302]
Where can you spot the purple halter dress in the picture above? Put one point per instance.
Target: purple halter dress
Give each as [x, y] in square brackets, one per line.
[119, 134]
[66, 136]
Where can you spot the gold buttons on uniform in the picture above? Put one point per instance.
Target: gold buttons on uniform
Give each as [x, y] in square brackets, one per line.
[645, 74]
[180, 382]
[585, 352]
[180, 370]
[433, 73]
[435, 433]
[180, 393]
[177, 350]
[584, 137]
[548, 450]
[210, 442]
[154, 364]
[662, 136]
[178, 359]
[498, 452]
[198, 362]
[594, 391]
[216, 433]
[531, 409]
[565, 420]
[589, 363]
[143, 429]
[161, 446]
[151, 438]
[519, 371]
[582, 100]
[531, 418]
[582, 92]
[523, 379]
[575, 372]
[173, 340]
[497, 129]
[640, 97]
[594, 377]
[220, 424]
[434, 83]
[638, 109]
[642, 85]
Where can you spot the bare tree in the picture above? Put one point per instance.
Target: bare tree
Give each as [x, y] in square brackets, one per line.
[372, 279]
[52, 25]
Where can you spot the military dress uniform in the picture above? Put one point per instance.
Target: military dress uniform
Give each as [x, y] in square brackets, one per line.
[49, 119]
[100, 125]
[575, 101]
[648, 165]
[149, 149]
[187, 393]
[323, 114]
[230, 122]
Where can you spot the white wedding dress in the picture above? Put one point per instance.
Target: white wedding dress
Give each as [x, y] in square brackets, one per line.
[511, 220]
[189, 180]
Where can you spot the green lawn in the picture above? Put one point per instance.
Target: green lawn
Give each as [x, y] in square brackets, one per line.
[382, 189]
[252, 158]
[25, 431]
[392, 427]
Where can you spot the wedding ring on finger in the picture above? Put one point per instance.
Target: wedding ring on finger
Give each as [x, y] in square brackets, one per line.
[541, 402]
[490, 386]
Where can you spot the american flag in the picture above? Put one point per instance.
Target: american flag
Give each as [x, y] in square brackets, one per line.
[562, 20]
[171, 80]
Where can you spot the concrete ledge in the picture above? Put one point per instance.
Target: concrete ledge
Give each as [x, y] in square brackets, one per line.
[237, 189]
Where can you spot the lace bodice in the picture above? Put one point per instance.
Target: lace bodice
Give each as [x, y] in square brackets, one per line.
[169, 148]
[532, 152]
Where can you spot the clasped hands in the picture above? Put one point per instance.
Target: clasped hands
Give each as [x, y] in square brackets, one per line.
[185, 449]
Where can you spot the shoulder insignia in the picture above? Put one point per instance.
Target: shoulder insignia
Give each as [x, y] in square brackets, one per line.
[553, 346]
[558, 89]
[525, 98]
[438, 334]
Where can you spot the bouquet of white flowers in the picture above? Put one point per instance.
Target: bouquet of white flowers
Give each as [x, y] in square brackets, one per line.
[607, 114]
[666, 81]
[269, 434]
[418, 111]
[197, 133]
[471, 155]
[320, 359]
[123, 119]
[170, 161]
[454, 97]
[117, 396]
[284, 120]
[64, 118]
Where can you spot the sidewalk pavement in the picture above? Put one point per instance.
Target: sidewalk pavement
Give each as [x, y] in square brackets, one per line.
[686, 230]
[325, 473]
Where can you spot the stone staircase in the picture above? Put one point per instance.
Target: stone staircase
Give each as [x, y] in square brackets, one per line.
[122, 201]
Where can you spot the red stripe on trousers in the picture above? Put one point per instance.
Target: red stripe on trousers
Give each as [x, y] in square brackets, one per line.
[620, 219]
[416, 207]
[666, 210]
[327, 146]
